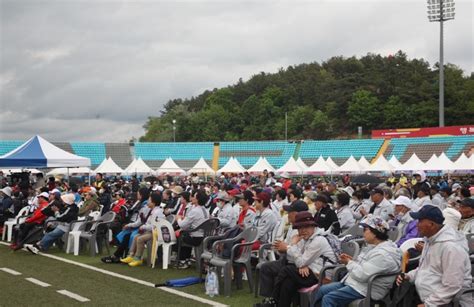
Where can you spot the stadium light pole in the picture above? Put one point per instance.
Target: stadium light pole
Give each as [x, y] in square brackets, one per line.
[440, 11]
[174, 130]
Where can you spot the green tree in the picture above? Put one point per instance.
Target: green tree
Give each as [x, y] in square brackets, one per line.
[363, 110]
[395, 113]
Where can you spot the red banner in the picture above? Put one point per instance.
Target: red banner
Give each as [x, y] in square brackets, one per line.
[423, 132]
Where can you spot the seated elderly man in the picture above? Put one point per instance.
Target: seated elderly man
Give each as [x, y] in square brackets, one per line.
[381, 256]
[309, 251]
[444, 267]
[63, 216]
[466, 207]
[269, 270]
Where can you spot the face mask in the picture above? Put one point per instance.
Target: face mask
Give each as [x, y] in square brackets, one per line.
[219, 204]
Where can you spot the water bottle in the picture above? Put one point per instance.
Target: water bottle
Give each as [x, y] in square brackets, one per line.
[212, 283]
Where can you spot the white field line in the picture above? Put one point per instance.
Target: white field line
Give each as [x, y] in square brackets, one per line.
[10, 271]
[135, 280]
[75, 296]
[37, 282]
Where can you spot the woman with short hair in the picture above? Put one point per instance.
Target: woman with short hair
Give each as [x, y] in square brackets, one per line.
[380, 256]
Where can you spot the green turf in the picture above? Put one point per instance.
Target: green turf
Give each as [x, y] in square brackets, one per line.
[100, 288]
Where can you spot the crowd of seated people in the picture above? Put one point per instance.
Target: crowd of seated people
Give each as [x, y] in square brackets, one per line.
[314, 214]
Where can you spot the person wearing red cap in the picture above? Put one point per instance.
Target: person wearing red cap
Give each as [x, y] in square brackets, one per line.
[265, 220]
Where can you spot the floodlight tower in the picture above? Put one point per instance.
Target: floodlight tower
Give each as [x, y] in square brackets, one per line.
[440, 11]
[174, 130]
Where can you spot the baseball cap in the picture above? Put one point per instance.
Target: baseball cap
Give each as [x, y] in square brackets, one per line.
[468, 202]
[429, 212]
[374, 222]
[322, 198]
[312, 195]
[44, 194]
[222, 195]
[296, 206]
[68, 198]
[403, 201]
[376, 191]
[456, 186]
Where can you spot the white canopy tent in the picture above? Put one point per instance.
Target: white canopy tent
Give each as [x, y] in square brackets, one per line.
[138, 166]
[350, 166]
[320, 166]
[446, 163]
[261, 165]
[232, 166]
[394, 162]
[412, 164]
[108, 166]
[332, 164]
[201, 167]
[70, 171]
[463, 163]
[364, 163]
[432, 164]
[380, 165]
[170, 167]
[291, 167]
[301, 163]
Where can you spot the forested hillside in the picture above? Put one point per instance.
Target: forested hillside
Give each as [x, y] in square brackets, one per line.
[327, 100]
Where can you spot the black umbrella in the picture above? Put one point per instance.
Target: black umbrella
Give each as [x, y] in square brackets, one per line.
[366, 179]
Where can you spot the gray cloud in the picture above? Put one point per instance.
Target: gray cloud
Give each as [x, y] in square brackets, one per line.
[95, 70]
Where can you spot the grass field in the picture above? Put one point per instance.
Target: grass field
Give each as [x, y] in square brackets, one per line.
[99, 288]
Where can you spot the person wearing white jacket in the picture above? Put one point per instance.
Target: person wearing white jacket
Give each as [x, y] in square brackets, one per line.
[134, 257]
[381, 207]
[380, 256]
[444, 267]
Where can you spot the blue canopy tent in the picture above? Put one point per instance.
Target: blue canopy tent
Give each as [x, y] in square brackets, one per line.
[39, 153]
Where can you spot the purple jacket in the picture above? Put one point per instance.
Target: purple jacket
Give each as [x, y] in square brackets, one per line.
[411, 231]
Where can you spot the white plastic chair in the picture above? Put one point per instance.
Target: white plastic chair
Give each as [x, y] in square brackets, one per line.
[19, 219]
[166, 246]
[74, 235]
[410, 243]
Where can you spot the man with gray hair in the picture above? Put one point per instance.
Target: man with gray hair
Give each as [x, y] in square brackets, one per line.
[445, 267]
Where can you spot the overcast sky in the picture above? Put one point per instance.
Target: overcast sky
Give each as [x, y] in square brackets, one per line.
[94, 70]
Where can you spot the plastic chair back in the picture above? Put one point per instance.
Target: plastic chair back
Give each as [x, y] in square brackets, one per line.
[393, 233]
[355, 230]
[248, 235]
[409, 244]
[107, 218]
[278, 230]
[171, 218]
[470, 242]
[208, 226]
[351, 248]
[23, 211]
[95, 215]
[161, 224]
